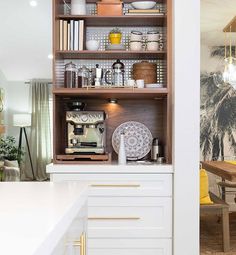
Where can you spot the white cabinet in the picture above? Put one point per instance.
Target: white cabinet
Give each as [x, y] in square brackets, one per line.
[128, 214]
[73, 241]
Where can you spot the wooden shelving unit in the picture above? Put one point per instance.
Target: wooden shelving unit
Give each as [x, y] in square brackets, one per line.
[98, 21]
[153, 107]
[122, 93]
[122, 54]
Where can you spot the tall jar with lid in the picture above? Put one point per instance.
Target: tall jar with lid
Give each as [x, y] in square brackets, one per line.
[83, 76]
[70, 74]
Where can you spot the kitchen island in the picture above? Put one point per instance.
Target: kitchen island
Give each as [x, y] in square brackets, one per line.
[34, 216]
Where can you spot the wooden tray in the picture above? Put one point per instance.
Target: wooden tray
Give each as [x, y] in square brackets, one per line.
[85, 159]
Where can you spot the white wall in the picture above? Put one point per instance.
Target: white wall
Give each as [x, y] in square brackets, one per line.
[186, 78]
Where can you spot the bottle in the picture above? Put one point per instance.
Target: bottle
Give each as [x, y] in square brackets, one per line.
[156, 149]
[122, 153]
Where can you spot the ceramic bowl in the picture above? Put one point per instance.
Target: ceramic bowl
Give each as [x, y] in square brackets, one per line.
[92, 45]
[144, 5]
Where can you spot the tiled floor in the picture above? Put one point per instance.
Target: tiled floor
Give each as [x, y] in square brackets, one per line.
[211, 236]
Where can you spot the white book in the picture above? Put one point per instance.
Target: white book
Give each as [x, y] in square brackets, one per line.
[81, 34]
[72, 35]
[61, 34]
[68, 36]
[76, 35]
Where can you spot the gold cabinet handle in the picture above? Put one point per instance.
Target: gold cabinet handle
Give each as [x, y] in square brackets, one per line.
[113, 218]
[115, 185]
[81, 243]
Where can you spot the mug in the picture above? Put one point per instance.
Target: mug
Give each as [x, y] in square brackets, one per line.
[136, 46]
[131, 83]
[152, 46]
[153, 36]
[136, 36]
[140, 84]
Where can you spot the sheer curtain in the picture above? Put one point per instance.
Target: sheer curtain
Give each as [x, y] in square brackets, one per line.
[40, 136]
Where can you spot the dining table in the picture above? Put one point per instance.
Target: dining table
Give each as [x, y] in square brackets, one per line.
[223, 169]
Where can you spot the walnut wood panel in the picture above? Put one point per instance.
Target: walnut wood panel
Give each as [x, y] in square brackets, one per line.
[168, 115]
[221, 168]
[123, 93]
[111, 21]
[122, 54]
[148, 112]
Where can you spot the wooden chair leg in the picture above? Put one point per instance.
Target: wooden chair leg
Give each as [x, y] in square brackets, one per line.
[225, 228]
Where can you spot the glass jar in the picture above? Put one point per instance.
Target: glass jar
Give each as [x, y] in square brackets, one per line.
[83, 76]
[70, 75]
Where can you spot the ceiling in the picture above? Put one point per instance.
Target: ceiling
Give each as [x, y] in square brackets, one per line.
[25, 40]
[215, 15]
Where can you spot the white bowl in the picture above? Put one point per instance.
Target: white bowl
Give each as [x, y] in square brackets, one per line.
[92, 45]
[144, 5]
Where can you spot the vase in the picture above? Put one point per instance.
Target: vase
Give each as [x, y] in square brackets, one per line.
[122, 153]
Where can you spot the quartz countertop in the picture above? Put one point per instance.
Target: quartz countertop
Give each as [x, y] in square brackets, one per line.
[142, 167]
[35, 215]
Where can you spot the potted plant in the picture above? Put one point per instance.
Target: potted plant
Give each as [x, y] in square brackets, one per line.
[9, 150]
[115, 36]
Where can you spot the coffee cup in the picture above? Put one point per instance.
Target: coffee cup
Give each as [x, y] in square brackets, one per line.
[131, 83]
[152, 46]
[140, 84]
[136, 46]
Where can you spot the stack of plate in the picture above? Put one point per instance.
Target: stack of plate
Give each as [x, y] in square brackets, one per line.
[153, 85]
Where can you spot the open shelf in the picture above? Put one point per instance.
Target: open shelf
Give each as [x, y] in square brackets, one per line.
[110, 21]
[122, 93]
[124, 54]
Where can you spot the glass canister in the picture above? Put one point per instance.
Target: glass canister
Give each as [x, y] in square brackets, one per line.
[83, 76]
[70, 74]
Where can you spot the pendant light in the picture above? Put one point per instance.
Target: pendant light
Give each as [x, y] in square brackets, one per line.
[229, 74]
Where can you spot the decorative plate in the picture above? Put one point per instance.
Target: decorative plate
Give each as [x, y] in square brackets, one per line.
[138, 139]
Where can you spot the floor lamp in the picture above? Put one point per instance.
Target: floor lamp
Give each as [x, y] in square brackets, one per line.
[23, 121]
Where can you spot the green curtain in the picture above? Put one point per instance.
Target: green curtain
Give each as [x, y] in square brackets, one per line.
[40, 135]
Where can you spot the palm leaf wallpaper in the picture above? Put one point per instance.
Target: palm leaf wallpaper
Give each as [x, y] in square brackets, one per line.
[218, 113]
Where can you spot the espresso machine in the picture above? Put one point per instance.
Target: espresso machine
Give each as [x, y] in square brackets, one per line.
[86, 132]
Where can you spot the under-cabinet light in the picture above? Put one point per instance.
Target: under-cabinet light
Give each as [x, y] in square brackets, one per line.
[112, 100]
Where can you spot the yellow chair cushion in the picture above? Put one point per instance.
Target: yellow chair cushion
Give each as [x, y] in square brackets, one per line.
[231, 161]
[204, 188]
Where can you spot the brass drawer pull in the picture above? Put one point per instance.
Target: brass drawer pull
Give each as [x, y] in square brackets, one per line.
[81, 243]
[113, 218]
[115, 185]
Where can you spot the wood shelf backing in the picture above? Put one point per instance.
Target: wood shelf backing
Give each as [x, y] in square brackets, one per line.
[124, 54]
[123, 93]
[110, 21]
[149, 112]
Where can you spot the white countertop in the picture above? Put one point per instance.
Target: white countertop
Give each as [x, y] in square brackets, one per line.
[109, 168]
[34, 215]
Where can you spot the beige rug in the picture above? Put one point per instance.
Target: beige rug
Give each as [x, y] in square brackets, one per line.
[211, 236]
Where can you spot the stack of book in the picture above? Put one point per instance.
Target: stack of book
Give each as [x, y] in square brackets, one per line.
[155, 12]
[71, 35]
